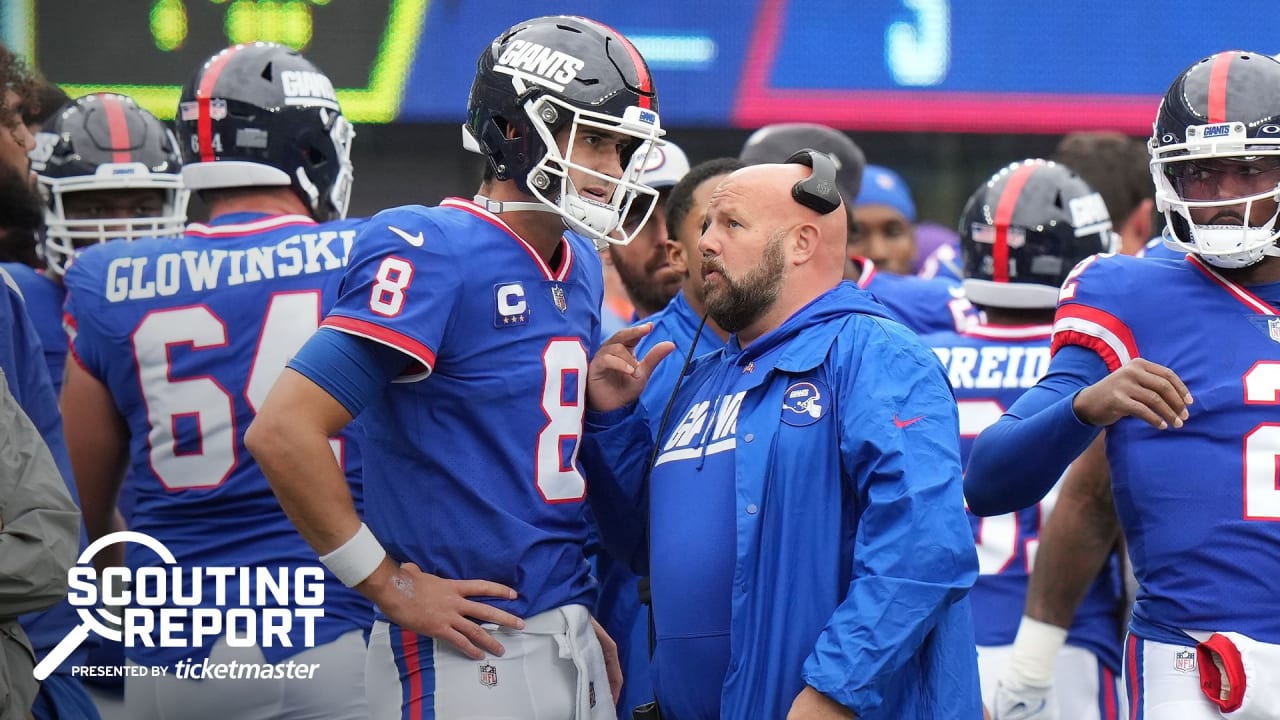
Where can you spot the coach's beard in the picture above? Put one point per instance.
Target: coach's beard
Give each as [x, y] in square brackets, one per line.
[736, 304]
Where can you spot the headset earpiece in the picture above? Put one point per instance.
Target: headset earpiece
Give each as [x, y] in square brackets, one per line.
[818, 191]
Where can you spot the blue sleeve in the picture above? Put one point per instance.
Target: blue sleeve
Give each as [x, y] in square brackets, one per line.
[22, 359]
[616, 447]
[401, 284]
[1017, 460]
[79, 317]
[351, 369]
[913, 551]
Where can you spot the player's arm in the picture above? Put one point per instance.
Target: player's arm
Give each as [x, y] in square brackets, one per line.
[1075, 540]
[332, 378]
[98, 443]
[913, 552]
[617, 444]
[289, 438]
[1004, 474]
[1060, 416]
[1074, 544]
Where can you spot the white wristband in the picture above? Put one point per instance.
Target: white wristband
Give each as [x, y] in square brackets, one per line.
[357, 558]
[1035, 650]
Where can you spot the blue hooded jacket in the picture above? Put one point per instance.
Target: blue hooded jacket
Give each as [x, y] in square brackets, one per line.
[854, 554]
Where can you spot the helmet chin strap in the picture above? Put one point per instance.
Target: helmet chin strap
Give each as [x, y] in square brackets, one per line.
[586, 217]
[498, 207]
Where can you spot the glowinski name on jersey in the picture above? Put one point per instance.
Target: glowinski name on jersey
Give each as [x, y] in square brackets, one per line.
[168, 273]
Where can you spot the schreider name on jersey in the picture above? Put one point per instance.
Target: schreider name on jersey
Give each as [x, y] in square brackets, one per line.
[166, 274]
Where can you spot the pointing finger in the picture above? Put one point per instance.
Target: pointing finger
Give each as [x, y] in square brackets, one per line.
[656, 354]
[629, 337]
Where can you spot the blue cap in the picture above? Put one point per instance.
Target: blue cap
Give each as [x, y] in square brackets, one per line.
[882, 186]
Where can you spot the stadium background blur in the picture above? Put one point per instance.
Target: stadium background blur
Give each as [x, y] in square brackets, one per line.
[941, 91]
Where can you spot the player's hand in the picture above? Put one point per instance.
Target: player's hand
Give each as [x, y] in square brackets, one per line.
[1023, 702]
[616, 376]
[1141, 389]
[813, 705]
[612, 663]
[440, 608]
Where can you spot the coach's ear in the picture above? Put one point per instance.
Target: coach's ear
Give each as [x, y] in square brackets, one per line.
[676, 258]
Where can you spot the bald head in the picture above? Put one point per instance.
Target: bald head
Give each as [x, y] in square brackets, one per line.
[766, 190]
[764, 254]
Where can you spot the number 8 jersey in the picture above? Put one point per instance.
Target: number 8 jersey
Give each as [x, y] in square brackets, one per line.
[1200, 504]
[471, 467]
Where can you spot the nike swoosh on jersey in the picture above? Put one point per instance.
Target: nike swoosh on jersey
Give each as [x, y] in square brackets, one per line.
[905, 423]
[414, 240]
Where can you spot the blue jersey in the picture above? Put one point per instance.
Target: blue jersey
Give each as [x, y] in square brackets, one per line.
[1199, 504]
[471, 466]
[44, 305]
[22, 359]
[189, 335]
[989, 368]
[925, 306]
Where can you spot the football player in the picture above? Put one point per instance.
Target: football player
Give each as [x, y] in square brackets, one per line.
[1188, 395]
[175, 343]
[1021, 232]
[461, 341]
[22, 363]
[107, 169]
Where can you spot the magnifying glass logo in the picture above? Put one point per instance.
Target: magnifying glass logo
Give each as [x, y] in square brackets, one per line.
[102, 621]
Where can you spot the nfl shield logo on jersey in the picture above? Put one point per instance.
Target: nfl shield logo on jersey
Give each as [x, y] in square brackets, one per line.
[1273, 328]
[488, 675]
[1185, 661]
[557, 294]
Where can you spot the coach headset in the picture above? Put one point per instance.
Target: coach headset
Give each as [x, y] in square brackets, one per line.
[818, 191]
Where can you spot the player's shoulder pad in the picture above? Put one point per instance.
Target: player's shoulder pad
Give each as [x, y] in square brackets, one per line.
[403, 230]
[1117, 282]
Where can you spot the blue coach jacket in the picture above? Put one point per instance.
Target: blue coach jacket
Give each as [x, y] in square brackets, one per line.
[854, 555]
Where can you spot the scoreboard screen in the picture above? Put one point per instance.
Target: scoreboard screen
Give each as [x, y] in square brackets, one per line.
[149, 48]
[994, 66]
